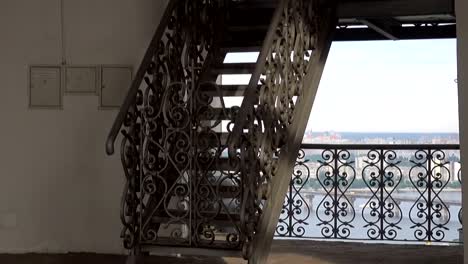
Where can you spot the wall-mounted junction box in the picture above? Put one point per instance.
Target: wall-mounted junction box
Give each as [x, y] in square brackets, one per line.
[115, 82]
[110, 82]
[81, 79]
[45, 86]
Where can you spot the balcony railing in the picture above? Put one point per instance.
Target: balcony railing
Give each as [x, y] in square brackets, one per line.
[375, 192]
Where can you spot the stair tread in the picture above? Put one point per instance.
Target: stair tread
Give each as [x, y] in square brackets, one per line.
[220, 216]
[234, 47]
[240, 28]
[234, 68]
[239, 45]
[226, 90]
[165, 246]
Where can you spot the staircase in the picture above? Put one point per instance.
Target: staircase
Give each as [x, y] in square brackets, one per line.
[204, 174]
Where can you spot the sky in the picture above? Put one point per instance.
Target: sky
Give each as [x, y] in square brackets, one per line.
[385, 86]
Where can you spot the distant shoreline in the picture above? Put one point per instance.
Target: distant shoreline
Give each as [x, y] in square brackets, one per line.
[362, 136]
[386, 133]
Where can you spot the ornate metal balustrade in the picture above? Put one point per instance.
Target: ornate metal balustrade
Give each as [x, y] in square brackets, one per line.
[179, 189]
[291, 62]
[201, 175]
[374, 192]
[182, 189]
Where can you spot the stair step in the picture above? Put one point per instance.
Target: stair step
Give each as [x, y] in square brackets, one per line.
[251, 16]
[222, 217]
[256, 4]
[247, 27]
[225, 224]
[221, 138]
[217, 114]
[234, 68]
[240, 48]
[248, 24]
[165, 247]
[223, 164]
[225, 191]
[237, 44]
[227, 90]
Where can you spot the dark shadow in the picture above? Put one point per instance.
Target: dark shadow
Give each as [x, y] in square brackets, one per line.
[89, 258]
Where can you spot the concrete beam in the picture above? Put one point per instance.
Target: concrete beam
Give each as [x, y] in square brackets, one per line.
[380, 28]
[377, 8]
[430, 32]
[394, 8]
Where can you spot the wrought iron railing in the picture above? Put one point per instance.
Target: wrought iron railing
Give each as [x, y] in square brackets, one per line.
[374, 192]
[270, 124]
[176, 193]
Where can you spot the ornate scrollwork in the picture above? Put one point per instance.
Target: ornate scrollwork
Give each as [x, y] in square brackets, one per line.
[335, 211]
[216, 191]
[268, 111]
[460, 212]
[429, 176]
[182, 189]
[382, 176]
[177, 191]
[296, 210]
[395, 195]
[129, 153]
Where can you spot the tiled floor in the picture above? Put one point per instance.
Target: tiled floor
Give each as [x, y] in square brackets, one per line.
[283, 252]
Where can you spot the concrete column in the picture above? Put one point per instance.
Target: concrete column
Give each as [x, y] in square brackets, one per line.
[461, 10]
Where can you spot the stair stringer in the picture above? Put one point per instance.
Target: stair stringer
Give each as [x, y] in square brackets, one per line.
[270, 132]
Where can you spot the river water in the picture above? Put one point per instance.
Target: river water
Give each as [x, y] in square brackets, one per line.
[407, 228]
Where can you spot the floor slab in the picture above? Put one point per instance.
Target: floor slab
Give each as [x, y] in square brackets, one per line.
[283, 252]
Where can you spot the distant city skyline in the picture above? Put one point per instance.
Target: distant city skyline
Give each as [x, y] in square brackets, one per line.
[380, 137]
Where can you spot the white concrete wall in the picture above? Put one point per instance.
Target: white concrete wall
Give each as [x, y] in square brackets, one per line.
[55, 178]
[462, 48]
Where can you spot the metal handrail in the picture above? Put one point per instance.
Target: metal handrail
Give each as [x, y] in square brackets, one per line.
[132, 92]
[251, 93]
[381, 146]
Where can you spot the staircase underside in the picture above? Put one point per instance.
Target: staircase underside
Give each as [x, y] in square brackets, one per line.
[373, 19]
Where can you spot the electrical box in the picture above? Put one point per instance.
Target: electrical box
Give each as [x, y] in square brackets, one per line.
[115, 82]
[45, 84]
[81, 79]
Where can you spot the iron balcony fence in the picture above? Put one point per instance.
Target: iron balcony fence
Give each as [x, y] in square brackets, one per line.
[374, 192]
